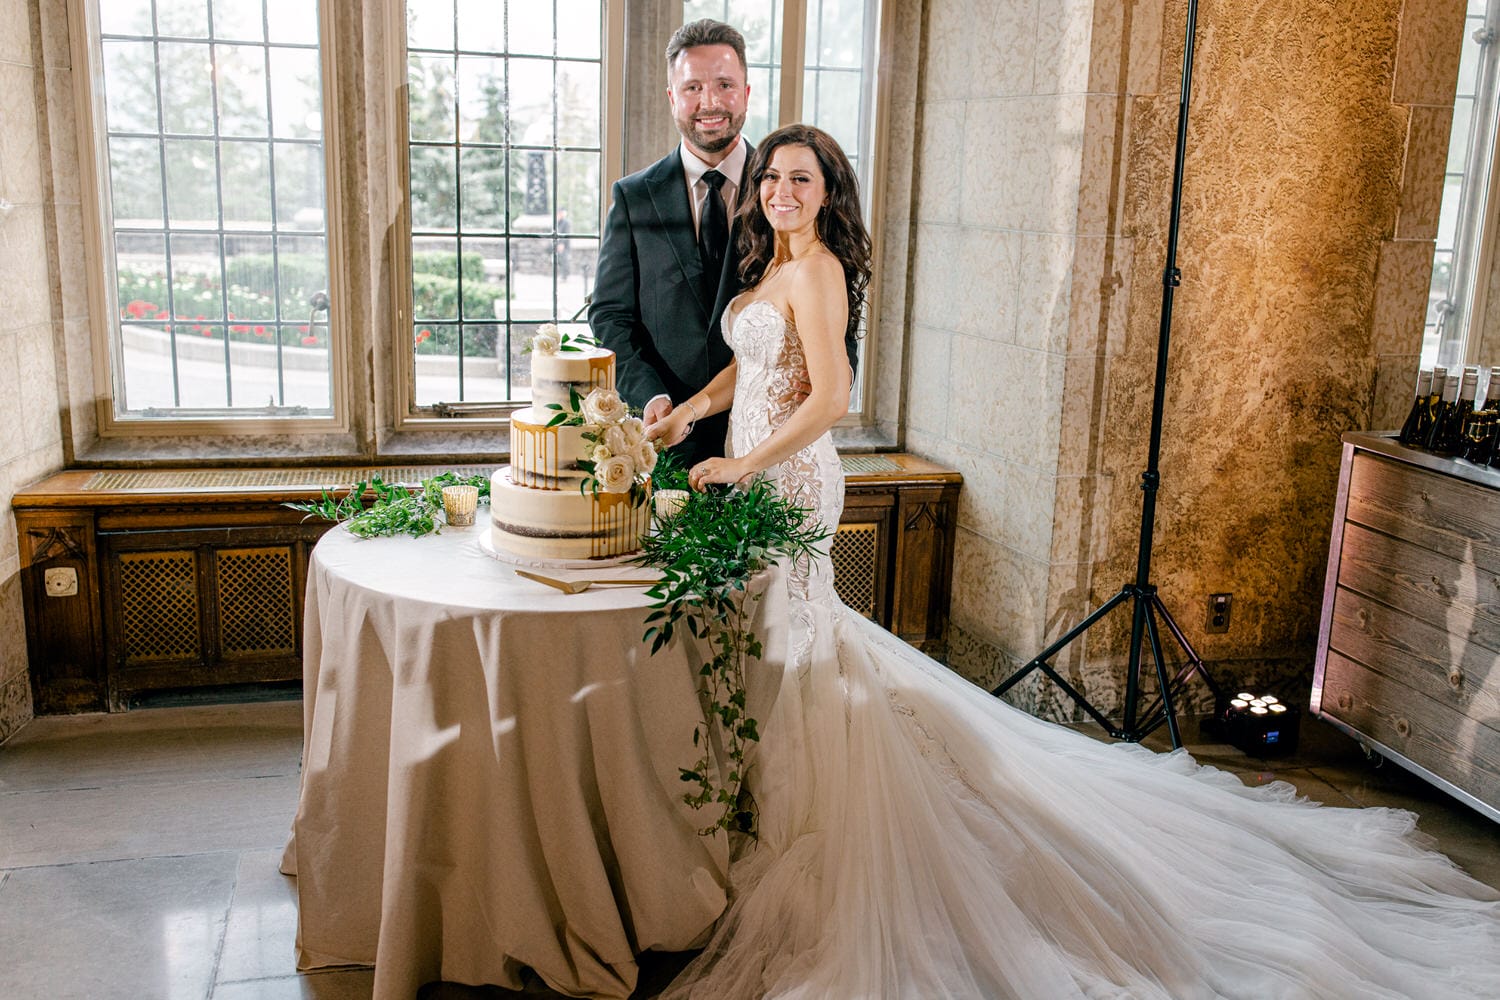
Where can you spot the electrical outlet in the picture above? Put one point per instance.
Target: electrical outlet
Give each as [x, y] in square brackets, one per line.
[61, 581]
[1218, 613]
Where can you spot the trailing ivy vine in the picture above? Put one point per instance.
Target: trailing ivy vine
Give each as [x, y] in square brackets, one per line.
[707, 552]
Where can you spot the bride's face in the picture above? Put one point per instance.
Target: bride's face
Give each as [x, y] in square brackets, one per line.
[792, 190]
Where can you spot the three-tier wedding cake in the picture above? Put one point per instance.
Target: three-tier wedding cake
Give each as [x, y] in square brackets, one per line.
[578, 484]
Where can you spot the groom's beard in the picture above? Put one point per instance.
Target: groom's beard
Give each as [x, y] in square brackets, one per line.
[716, 142]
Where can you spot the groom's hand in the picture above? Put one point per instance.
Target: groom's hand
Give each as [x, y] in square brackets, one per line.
[658, 409]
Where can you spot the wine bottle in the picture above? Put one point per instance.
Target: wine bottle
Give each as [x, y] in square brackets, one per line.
[1450, 439]
[1492, 392]
[1479, 437]
[1419, 406]
[1442, 414]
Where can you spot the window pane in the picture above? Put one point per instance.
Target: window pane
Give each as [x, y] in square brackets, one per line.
[129, 86]
[246, 169]
[182, 18]
[483, 175]
[125, 17]
[434, 192]
[242, 89]
[214, 291]
[481, 25]
[530, 27]
[430, 98]
[135, 182]
[239, 20]
[493, 192]
[192, 184]
[292, 21]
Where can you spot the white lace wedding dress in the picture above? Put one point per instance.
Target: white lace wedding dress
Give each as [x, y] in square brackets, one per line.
[920, 839]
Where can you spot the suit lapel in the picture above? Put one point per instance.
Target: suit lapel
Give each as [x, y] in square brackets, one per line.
[669, 197]
[729, 282]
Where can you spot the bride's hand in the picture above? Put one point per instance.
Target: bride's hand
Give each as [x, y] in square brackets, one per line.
[719, 470]
[671, 429]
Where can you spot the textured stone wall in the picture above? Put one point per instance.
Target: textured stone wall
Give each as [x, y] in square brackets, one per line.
[36, 203]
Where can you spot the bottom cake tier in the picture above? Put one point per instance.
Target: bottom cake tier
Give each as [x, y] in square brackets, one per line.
[563, 524]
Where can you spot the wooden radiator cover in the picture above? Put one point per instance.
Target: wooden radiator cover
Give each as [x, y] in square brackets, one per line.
[194, 578]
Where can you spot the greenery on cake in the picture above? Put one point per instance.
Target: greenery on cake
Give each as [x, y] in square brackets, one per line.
[373, 508]
[707, 552]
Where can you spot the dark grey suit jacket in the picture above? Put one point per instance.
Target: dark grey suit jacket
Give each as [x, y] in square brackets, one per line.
[651, 305]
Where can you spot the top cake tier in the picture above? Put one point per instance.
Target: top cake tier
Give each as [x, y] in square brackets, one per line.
[553, 375]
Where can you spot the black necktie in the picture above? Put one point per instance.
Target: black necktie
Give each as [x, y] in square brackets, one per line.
[713, 231]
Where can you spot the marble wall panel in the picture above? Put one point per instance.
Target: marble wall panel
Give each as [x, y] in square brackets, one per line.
[1045, 301]
[906, 59]
[1427, 53]
[62, 136]
[987, 301]
[940, 176]
[946, 50]
[1427, 136]
[20, 161]
[1395, 387]
[1100, 297]
[12, 412]
[35, 356]
[1021, 163]
[55, 41]
[1125, 46]
[1084, 416]
[1403, 277]
[1101, 193]
[928, 392]
[998, 594]
[1064, 38]
[901, 165]
[24, 267]
[1003, 38]
[15, 32]
[979, 660]
[934, 278]
[1006, 398]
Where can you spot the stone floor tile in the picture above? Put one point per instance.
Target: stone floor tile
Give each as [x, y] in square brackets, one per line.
[123, 930]
[261, 939]
[341, 984]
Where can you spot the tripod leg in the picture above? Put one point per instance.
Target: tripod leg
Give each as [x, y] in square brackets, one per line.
[1195, 662]
[1138, 622]
[1041, 658]
[1169, 711]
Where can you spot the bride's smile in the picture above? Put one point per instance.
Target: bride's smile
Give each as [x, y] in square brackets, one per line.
[792, 191]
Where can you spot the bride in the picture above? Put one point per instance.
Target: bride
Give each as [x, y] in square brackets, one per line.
[920, 839]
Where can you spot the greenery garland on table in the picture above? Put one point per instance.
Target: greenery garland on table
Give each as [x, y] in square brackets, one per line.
[395, 509]
[707, 552]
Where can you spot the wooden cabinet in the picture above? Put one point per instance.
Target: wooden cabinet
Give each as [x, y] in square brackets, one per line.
[1409, 643]
[188, 579]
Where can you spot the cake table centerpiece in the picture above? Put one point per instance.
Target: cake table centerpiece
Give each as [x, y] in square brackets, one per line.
[578, 486]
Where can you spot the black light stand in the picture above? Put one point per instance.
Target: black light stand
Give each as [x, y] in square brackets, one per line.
[1146, 604]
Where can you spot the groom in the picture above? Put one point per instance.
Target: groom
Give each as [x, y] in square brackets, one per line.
[667, 263]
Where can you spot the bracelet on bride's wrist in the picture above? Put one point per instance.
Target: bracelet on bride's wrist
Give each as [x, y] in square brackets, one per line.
[694, 422]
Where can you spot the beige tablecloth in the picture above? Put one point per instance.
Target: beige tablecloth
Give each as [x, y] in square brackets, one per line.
[490, 773]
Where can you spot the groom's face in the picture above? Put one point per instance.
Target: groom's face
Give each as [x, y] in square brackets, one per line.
[708, 94]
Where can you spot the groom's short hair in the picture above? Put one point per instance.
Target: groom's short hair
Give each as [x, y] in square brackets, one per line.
[704, 32]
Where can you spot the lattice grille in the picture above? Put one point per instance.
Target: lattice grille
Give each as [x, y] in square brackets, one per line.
[854, 561]
[859, 465]
[255, 601]
[190, 479]
[159, 606]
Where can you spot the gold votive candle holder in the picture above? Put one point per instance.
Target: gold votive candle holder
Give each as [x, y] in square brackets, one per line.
[459, 504]
[668, 503]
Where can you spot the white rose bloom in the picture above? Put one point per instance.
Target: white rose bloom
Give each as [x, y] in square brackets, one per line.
[546, 341]
[645, 456]
[602, 454]
[635, 431]
[604, 406]
[616, 441]
[615, 474]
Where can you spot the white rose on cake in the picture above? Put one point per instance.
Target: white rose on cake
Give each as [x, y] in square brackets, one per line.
[604, 406]
[602, 454]
[644, 456]
[547, 340]
[616, 441]
[615, 474]
[635, 431]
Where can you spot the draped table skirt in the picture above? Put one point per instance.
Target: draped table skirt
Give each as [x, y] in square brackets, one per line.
[490, 773]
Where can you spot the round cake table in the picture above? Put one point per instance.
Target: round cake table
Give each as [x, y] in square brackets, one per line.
[490, 772]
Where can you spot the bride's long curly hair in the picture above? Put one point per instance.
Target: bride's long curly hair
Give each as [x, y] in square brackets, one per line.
[841, 226]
